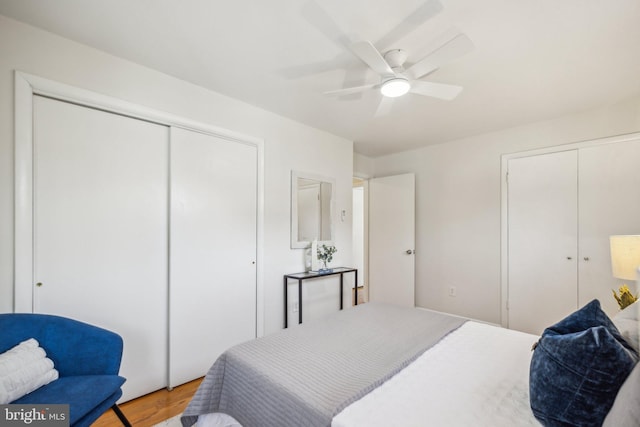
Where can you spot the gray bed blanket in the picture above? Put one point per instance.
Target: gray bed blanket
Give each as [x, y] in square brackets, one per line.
[305, 375]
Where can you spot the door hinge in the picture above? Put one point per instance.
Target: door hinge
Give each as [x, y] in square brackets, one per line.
[506, 177]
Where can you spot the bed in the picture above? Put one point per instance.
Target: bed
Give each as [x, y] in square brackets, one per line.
[373, 365]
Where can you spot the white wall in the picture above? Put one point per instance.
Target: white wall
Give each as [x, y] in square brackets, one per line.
[458, 204]
[288, 144]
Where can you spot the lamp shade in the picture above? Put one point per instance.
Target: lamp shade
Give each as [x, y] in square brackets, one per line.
[625, 256]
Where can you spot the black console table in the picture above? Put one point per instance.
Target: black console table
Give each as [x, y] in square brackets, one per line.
[300, 277]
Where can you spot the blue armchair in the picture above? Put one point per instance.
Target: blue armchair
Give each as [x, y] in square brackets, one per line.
[86, 357]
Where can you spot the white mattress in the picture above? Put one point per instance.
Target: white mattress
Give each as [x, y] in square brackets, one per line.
[476, 376]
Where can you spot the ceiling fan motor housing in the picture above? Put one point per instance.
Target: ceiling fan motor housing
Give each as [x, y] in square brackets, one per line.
[395, 85]
[396, 58]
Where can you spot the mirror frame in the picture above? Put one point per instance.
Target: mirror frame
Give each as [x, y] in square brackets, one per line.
[302, 244]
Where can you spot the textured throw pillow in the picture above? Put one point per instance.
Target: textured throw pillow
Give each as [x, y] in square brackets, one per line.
[23, 369]
[577, 368]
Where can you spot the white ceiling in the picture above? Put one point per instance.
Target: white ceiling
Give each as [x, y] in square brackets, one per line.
[533, 59]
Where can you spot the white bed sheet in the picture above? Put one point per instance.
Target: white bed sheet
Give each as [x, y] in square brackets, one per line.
[476, 376]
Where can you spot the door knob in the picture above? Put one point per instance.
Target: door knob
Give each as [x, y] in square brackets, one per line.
[409, 251]
[569, 258]
[39, 284]
[586, 258]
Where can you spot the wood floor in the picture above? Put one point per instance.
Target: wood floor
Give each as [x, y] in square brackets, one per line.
[361, 296]
[152, 408]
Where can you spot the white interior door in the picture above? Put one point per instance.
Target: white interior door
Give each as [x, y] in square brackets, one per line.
[100, 229]
[392, 240]
[213, 250]
[542, 230]
[609, 204]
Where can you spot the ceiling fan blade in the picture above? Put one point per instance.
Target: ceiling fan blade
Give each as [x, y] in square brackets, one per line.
[436, 90]
[313, 13]
[370, 56]
[453, 49]
[350, 90]
[384, 108]
[422, 14]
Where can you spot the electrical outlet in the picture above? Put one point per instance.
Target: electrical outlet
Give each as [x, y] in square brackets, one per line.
[452, 291]
[295, 307]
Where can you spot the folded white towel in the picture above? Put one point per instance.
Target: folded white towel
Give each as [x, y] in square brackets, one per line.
[20, 355]
[24, 369]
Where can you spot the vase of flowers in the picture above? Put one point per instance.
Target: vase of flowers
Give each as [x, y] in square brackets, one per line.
[325, 255]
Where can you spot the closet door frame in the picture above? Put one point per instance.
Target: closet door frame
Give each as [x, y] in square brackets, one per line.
[28, 85]
[504, 212]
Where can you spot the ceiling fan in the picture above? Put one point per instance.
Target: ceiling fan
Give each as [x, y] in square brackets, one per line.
[396, 81]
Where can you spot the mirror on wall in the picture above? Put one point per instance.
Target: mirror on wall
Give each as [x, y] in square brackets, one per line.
[311, 209]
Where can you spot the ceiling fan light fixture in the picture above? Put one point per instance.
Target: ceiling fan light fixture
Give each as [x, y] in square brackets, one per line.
[395, 87]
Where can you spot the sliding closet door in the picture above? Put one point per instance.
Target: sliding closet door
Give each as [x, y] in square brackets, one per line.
[213, 250]
[543, 225]
[609, 204]
[100, 229]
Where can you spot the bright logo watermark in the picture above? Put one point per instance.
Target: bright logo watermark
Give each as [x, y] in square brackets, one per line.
[34, 415]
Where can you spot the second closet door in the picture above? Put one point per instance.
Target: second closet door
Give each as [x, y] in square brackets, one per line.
[609, 179]
[213, 250]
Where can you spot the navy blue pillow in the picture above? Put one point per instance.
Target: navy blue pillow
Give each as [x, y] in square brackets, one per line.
[578, 366]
